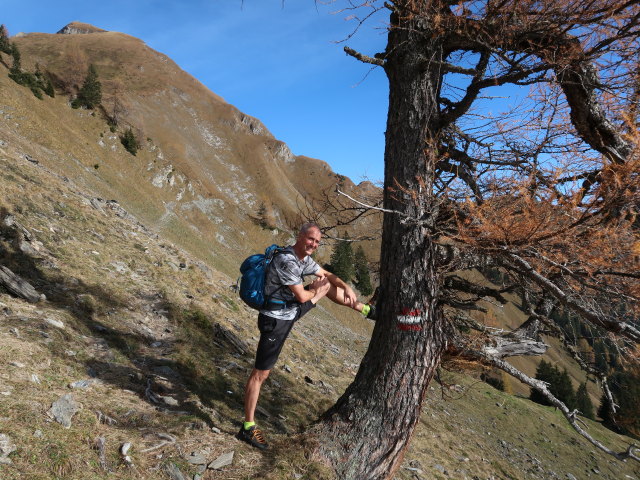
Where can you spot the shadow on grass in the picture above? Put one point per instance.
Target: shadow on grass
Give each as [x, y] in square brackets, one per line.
[200, 373]
[97, 308]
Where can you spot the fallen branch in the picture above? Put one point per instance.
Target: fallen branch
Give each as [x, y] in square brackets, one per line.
[623, 329]
[632, 451]
[18, 286]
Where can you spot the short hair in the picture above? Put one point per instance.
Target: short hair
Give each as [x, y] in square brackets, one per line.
[308, 226]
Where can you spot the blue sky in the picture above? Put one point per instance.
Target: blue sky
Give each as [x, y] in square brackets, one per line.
[276, 61]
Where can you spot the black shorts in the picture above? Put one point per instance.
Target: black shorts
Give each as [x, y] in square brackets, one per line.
[273, 333]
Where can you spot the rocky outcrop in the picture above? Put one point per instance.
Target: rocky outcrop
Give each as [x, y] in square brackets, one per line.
[75, 28]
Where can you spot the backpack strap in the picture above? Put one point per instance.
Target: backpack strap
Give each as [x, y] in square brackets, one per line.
[274, 304]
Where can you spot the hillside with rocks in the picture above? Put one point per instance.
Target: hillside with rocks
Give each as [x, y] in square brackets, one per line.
[124, 348]
[203, 164]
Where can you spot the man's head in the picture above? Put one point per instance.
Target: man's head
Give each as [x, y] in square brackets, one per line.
[308, 239]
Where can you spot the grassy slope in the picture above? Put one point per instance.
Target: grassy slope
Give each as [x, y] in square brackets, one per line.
[223, 162]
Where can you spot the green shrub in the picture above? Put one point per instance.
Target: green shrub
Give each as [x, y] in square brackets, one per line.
[37, 82]
[130, 142]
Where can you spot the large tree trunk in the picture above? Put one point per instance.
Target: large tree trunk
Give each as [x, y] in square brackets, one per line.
[365, 434]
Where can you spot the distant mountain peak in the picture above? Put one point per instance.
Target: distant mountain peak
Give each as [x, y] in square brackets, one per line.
[75, 28]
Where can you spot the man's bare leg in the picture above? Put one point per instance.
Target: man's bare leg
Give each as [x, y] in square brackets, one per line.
[252, 392]
[336, 295]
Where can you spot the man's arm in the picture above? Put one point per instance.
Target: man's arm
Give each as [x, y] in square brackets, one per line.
[316, 290]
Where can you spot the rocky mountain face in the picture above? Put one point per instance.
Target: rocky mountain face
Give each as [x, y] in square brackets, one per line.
[204, 166]
[79, 27]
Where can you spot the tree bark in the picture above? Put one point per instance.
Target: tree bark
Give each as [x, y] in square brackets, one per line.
[365, 434]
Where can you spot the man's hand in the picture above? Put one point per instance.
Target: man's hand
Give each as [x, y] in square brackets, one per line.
[350, 297]
[320, 286]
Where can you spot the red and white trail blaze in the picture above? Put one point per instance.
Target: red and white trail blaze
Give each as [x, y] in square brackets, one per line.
[410, 320]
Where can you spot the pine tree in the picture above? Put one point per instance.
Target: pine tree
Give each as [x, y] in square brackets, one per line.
[362, 277]
[559, 385]
[342, 260]
[43, 82]
[5, 47]
[583, 402]
[601, 356]
[545, 372]
[16, 67]
[26, 79]
[90, 95]
[605, 412]
[563, 390]
[625, 388]
[264, 219]
[586, 351]
[130, 142]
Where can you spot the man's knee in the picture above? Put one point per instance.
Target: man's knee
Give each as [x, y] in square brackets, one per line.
[259, 375]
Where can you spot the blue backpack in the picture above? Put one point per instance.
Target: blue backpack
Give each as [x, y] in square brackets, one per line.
[254, 270]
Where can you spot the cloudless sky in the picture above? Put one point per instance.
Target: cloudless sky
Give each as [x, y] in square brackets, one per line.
[274, 60]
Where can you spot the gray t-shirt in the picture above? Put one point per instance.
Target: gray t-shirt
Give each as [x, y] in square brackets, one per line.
[286, 269]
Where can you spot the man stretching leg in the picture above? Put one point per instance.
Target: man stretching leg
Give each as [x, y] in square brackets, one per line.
[288, 301]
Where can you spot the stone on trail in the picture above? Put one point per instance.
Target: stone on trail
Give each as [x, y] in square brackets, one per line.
[222, 461]
[55, 323]
[6, 448]
[84, 384]
[174, 472]
[197, 458]
[18, 286]
[63, 409]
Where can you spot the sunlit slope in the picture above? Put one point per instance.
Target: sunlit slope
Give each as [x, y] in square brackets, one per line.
[203, 166]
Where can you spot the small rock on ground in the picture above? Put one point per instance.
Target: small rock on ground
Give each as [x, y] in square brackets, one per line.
[222, 461]
[63, 409]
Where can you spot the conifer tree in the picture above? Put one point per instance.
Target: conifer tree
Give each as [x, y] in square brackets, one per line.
[27, 79]
[583, 402]
[361, 270]
[5, 46]
[90, 95]
[547, 192]
[342, 260]
[44, 82]
[563, 388]
[264, 218]
[601, 356]
[625, 387]
[16, 67]
[130, 142]
[605, 412]
[547, 373]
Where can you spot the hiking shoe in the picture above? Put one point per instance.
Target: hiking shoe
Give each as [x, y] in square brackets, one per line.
[373, 300]
[253, 436]
[373, 313]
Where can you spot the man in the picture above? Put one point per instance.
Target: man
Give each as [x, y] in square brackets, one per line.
[288, 301]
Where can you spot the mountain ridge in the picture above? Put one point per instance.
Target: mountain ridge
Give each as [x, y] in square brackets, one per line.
[221, 158]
